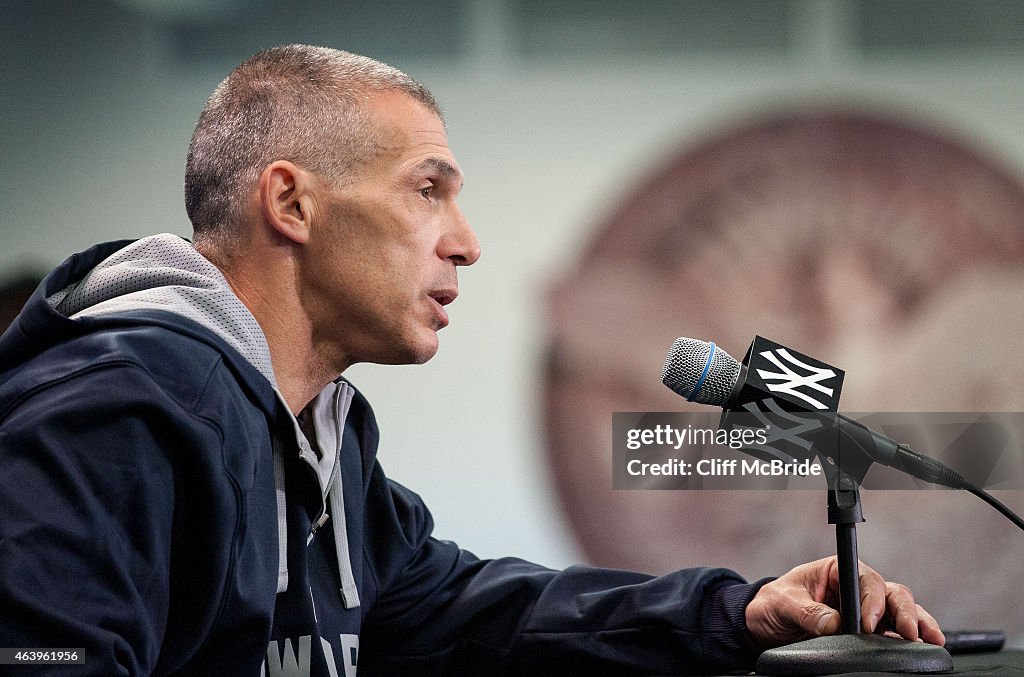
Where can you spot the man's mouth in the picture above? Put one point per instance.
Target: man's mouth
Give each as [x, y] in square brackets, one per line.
[441, 298]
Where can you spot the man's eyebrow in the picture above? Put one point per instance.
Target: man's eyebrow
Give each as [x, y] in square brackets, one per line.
[443, 167]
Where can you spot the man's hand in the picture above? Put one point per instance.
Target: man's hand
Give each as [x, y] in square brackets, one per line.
[799, 605]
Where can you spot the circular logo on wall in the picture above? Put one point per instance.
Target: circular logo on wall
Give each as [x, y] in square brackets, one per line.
[879, 245]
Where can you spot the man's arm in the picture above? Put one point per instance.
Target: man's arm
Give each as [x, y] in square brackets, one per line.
[445, 611]
[440, 610]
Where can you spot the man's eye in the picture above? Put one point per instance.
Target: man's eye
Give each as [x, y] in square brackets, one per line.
[426, 191]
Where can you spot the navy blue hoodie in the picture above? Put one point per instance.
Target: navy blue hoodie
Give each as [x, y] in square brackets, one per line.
[162, 510]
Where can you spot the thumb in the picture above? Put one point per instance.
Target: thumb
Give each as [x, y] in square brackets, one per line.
[819, 619]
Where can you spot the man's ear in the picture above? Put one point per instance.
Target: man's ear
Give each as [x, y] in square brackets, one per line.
[286, 199]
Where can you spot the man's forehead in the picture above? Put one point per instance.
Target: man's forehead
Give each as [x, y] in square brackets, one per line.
[404, 112]
[407, 125]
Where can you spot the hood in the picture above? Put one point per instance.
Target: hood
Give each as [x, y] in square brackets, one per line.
[164, 272]
[123, 283]
[119, 284]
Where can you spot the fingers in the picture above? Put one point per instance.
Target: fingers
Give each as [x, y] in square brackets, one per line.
[902, 610]
[793, 606]
[818, 619]
[810, 612]
[873, 598]
[929, 628]
[895, 603]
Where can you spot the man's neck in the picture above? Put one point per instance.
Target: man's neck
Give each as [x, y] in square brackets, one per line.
[300, 369]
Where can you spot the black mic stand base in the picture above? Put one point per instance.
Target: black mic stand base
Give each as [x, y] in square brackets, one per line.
[834, 654]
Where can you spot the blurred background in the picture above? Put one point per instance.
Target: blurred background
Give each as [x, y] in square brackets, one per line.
[843, 177]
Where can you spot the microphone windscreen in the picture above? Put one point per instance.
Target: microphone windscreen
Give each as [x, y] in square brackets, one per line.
[700, 371]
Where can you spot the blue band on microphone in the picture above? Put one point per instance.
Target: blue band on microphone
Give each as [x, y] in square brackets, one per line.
[704, 374]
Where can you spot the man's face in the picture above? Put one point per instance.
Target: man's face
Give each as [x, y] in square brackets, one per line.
[383, 254]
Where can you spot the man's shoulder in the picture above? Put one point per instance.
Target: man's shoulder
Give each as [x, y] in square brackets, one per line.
[146, 345]
[174, 358]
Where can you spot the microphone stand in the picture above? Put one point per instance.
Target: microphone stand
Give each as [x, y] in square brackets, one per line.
[845, 453]
[852, 650]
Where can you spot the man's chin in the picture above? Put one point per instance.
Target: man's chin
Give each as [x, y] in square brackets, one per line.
[423, 357]
[418, 353]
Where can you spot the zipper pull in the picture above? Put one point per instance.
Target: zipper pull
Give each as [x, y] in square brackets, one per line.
[319, 523]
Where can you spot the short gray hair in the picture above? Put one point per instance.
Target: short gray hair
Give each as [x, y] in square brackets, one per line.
[298, 103]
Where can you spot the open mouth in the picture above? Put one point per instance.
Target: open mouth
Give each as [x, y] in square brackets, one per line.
[443, 297]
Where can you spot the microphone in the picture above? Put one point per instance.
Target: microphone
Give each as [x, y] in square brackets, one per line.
[704, 373]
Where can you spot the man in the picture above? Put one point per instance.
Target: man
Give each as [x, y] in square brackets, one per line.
[190, 488]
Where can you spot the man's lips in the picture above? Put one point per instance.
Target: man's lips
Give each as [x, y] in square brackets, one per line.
[444, 296]
[441, 298]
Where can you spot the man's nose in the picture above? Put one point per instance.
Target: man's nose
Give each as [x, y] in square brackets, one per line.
[460, 243]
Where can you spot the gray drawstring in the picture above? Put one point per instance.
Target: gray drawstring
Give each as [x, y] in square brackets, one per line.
[282, 519]
[329, 411]
[336, 493]
[349, 592]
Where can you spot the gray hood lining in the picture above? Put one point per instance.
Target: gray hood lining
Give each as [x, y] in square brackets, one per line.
[165, 272]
